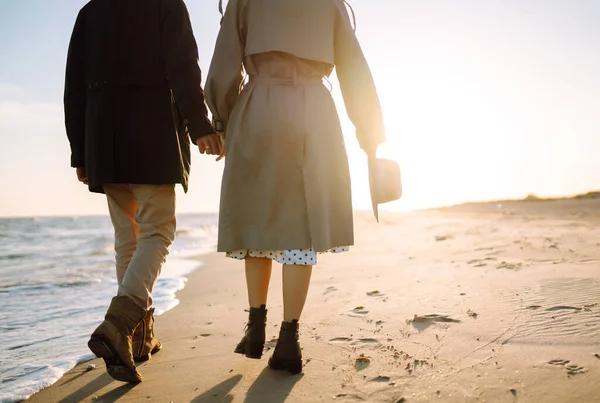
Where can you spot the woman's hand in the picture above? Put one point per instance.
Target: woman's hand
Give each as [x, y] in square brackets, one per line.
[211, 145]
[223, 148]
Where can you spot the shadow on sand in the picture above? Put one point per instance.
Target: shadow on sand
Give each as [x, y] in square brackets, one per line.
[94, 386]
[219, 393]
[272, 387]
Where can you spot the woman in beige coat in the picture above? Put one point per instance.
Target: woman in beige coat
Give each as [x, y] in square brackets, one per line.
[286, 185]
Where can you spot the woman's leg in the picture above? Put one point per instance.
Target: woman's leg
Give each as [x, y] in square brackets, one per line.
[258, 275]
[296, 279]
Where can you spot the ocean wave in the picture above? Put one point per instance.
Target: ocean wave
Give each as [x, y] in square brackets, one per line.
[45, 285]
[65, 269]
[15, 256]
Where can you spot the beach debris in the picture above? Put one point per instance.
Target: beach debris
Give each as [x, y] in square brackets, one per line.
[432, 317]
[401, 400]
[514, 392]
[374, 293]
[90, 367]
[533, 307]
[472, 314]
[597, 355]
[440, 238]
[329, 289]
[362, 361]
[271, 343]
[463, 293]
[588, 307]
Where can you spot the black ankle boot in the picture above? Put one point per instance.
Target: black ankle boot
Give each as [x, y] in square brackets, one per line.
[253, 342]
[287, 354]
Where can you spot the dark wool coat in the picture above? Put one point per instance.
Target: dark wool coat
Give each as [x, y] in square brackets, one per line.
[133, 95]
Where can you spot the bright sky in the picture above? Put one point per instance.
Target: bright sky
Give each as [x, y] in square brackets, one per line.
[482, 100]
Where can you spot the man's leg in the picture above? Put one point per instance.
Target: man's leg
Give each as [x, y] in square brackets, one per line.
[112, 340]
[123, 207]
[155, 218]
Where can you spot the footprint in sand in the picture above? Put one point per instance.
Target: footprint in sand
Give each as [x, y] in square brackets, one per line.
[564, 308]
[480, 262]
[365, 342]
[340, 339]
[433, 317]
[572, 369]
[510, 266]
[358, 311]
[575, 369]
[380, 378]
[348, 396]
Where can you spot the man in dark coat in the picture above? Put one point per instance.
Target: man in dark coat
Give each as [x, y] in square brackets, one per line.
[133, 100]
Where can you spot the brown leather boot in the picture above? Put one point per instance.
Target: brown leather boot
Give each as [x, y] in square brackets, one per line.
[143, 342]
[111, 341]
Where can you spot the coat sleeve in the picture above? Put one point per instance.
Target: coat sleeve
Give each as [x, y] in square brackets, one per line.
[181, 63]
[75, 94]
[226, 74]
[357, 84]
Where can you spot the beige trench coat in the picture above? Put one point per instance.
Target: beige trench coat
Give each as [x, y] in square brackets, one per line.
[286, 182]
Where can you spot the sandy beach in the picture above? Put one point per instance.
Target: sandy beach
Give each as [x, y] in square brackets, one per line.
[474, 303]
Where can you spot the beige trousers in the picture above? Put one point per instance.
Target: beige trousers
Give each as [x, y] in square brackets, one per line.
[144, 220]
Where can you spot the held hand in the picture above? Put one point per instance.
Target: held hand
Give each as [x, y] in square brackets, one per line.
[210, 144]
[223, 150]
[371, 152]
[82, 175]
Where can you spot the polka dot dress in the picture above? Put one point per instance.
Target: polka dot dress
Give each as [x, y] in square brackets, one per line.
[306, 257]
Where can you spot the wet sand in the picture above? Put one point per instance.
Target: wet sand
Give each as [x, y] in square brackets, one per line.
[474, 303]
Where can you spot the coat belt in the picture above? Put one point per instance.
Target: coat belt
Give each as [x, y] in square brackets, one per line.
[296, 81]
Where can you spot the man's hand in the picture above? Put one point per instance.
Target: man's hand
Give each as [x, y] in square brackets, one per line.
[82, 175]
[210, 144]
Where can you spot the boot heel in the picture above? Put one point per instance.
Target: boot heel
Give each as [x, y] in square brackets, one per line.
[114, 366]
[100, 348]
[293, 366]
[142, 358]
[254, 350]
